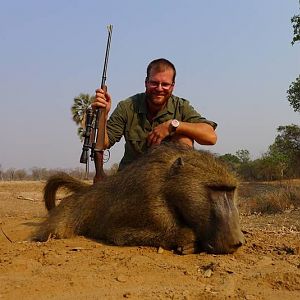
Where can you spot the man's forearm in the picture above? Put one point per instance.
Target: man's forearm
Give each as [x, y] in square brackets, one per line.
[202, 133]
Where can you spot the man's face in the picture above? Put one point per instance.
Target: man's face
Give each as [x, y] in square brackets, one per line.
[159, 86]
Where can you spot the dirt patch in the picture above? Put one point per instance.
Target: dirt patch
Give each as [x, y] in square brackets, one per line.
[266, 267]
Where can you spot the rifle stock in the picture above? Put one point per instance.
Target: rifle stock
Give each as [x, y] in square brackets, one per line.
[99, 145]
[101, 130]
[99, 171]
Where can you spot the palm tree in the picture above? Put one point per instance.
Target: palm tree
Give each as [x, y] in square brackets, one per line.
[78, 109]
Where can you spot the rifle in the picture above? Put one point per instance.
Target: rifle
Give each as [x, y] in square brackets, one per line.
[95, 127]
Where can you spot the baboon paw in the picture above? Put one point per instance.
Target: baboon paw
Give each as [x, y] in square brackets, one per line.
[187, 249]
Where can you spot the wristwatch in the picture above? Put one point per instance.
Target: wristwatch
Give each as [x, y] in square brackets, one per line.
[173, 126]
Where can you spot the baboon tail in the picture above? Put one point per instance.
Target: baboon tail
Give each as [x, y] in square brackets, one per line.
[61, 180]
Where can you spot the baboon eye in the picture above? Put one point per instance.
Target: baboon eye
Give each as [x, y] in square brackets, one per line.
[225, 188]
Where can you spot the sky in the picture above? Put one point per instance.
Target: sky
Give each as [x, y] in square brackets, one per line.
[234, 62]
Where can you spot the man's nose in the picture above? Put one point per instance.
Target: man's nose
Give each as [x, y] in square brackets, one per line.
[159, 86]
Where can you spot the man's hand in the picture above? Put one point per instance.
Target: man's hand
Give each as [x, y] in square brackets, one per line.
[102, 100]
[159, 133]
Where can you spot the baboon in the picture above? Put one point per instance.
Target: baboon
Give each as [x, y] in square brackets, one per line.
[173, 197]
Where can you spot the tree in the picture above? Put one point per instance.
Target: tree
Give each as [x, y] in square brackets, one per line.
[39, 173]
[246, 170]
[77, 173]
[20, 174]
[1, 172]
[243, 155]
[231, 160]
[294, 88]
[11, 173]
[294, 94]
[266, 168]
[272, 165]
[286, 149]
[296, 26]
[240, 163]
[80, 105]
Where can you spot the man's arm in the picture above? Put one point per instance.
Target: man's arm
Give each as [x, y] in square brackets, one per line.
[202, 133]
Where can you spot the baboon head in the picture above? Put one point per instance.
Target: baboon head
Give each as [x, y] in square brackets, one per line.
[222, 233]
[203, 191]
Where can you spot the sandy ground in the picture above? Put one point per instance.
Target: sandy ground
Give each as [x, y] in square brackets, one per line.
[266, 267]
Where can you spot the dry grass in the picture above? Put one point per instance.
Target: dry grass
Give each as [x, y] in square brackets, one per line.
[23, 196]
[276, 202]
[269, 197]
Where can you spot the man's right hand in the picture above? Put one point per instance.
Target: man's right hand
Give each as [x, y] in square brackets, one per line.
[102, 100]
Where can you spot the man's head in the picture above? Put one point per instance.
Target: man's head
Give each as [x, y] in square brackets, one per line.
[160, 65]
[159, 82]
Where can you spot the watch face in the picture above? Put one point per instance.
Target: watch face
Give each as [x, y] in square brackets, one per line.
[175, 123]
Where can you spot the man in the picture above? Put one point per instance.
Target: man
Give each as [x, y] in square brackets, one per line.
[148, 118]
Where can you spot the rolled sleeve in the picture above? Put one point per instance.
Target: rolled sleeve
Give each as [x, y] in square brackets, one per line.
[189, 114]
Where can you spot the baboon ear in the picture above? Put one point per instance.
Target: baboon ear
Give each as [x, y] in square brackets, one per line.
[176, 166]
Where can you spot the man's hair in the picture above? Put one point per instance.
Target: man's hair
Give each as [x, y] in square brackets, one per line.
[160, 65]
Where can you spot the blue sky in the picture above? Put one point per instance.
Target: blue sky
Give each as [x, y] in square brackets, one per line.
[234, 61]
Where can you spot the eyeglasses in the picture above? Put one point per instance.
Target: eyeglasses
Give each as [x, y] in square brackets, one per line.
[156, 84]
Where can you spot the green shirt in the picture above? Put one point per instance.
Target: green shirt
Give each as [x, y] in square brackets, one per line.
[129, 119]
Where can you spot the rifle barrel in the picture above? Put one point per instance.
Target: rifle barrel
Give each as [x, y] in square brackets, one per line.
[109, 28]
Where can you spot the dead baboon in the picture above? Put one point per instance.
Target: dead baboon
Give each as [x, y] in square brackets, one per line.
[172, 197]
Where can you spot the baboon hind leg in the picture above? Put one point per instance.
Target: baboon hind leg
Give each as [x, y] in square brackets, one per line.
[57, 229]
[183, 240]
[134, 237]
[186, 241]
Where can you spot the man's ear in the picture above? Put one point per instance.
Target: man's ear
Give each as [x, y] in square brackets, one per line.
[176, 166]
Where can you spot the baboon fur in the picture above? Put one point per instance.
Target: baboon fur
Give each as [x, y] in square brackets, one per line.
[173, 197]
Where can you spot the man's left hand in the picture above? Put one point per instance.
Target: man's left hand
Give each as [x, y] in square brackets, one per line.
[159, 133]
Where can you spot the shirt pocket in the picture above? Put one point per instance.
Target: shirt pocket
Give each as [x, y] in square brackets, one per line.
[136, 142]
